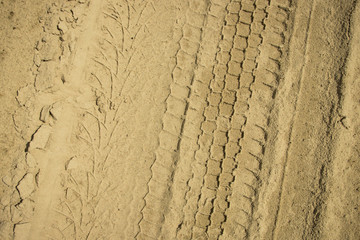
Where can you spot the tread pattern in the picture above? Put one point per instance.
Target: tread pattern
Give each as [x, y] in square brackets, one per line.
[265, 81]
[241, 53]
[175, 126]
[239, 95]
[90, 194]
[177, 224]
[201, 182]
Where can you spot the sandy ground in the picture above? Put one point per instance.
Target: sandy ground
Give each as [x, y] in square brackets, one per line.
[191, 119]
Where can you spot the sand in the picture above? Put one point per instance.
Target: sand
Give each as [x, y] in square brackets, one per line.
[169, 119]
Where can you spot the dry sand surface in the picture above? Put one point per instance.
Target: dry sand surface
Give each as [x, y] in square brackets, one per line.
[180, 119]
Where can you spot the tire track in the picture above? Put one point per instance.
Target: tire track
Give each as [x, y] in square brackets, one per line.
[68, 216]
[265, 81]
[208, 206]
[211, 110]
[82, 200]
[174, 127]
[292, 120]
[48, 149]
[249, 28]
[190, 142]
[101, 207]
[131, 18]
[176, 142]
[221, 138]
[315, 165]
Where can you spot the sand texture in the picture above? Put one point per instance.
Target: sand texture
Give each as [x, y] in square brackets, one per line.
[180, 119]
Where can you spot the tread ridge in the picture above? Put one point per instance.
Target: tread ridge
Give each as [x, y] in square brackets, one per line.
[178, 107]
[202, 230]
[265, 82]
[231, 148]
[243, 201]
[183, 231]
[197, 95]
